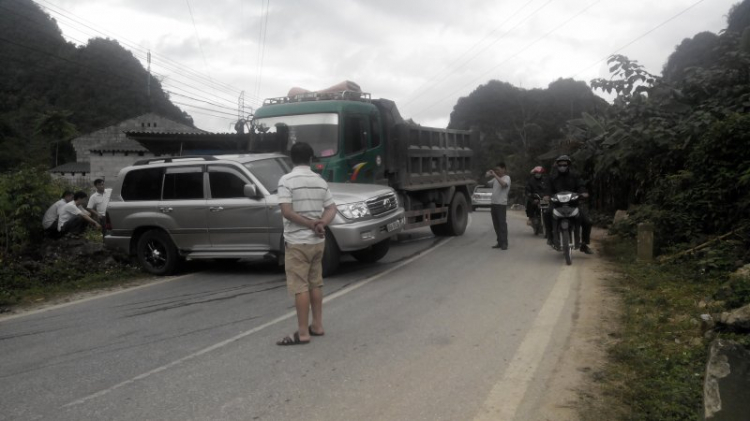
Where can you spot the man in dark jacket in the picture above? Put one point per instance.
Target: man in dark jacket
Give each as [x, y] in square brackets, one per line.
[537, 185]
[566, 180]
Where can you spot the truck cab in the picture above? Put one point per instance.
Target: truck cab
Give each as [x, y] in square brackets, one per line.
[346, 135]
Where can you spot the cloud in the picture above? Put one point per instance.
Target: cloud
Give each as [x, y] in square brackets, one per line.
[421, 53]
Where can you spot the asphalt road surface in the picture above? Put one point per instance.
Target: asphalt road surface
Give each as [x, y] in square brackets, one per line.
[440, 329]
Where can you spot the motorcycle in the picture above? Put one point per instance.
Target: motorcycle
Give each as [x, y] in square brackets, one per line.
[566, 226]
[537, 220]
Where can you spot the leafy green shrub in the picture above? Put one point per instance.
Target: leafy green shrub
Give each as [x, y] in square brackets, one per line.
[25, 195]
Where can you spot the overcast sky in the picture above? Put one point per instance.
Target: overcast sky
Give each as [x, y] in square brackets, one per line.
[423, 54]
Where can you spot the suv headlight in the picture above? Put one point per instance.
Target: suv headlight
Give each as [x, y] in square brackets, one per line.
[354, 210]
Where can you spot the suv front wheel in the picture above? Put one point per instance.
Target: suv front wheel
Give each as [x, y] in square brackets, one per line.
[156, 253]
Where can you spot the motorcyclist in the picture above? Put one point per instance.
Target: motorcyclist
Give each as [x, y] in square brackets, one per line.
[536, 185]
[566, 180]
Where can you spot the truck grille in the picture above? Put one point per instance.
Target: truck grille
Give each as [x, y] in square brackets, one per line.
[382, 204]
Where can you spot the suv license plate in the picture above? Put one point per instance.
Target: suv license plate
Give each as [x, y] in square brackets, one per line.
[393, 226]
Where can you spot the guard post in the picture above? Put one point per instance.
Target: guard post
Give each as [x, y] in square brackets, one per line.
[646, 241]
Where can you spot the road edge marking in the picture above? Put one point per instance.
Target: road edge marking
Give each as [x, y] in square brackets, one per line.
[506, 396]
[94, 297]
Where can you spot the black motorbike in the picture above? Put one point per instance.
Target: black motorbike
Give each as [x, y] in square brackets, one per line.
[566, 224]
[538, 207]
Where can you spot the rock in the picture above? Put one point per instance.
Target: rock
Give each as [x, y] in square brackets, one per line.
[743, 272]
[620, 215]
[738, 318]
[727, 384]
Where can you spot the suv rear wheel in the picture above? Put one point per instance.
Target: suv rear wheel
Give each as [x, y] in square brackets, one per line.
[156, 253]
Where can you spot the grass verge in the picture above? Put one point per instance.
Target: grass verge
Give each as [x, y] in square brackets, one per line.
[65, 268]
[656, 364]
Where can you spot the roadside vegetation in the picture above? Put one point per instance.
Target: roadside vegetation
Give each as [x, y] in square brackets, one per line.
[34, 269]
[657, 359]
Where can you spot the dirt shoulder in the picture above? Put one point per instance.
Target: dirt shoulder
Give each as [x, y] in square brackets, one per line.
[574, 380]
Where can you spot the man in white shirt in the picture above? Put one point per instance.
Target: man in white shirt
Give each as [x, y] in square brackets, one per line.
[499, 203]
[73, 218]
[49, 221]
[307, 206]
[98, 201]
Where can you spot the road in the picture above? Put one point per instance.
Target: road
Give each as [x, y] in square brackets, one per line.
[441, 329]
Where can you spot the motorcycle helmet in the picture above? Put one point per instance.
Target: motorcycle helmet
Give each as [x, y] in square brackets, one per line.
[561, 159]
[538, 170]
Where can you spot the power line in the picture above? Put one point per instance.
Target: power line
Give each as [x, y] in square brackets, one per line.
[169, 63]
[464, 63]
[643, 35]
[37, 23]
[526, 47]
[200, 45]
[202, 108]
[202, 100]
[262, 47]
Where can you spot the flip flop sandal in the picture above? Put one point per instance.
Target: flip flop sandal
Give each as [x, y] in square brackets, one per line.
[315, 333]
[292, 340]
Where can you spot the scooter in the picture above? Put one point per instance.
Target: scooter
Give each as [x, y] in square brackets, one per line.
[566, 225]
[537, 219]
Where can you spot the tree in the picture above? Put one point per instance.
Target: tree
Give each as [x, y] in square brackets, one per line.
[55, 128]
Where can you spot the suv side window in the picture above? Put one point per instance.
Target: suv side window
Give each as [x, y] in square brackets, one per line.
[142, 184]
[183, 183]
[226, 182]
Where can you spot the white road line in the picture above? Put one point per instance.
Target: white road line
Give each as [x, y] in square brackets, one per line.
[253, 330]
[96, 297]
[506, 396]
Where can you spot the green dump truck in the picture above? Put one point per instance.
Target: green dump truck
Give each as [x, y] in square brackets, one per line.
[357, 139]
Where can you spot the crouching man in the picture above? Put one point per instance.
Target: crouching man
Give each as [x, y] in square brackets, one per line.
[73, 218]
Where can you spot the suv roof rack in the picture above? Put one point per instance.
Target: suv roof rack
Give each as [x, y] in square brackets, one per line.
[173, 158]
[320, 96]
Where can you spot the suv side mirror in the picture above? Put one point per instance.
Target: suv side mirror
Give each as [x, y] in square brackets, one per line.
[250, 191]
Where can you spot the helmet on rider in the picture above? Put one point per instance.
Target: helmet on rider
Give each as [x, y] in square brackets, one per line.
[562, 162]
[538, 170]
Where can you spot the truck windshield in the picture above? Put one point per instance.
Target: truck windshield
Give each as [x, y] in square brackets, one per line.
[318, 130]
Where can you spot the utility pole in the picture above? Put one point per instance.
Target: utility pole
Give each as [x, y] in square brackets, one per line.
[240, 105]
[148, 80]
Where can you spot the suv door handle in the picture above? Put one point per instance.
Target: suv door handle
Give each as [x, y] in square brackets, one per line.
[165, 210]
[216, 208]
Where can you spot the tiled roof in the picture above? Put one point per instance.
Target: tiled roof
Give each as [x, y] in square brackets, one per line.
[73, 167]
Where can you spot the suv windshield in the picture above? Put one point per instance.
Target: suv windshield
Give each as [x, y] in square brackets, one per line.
[269, 171]
[318, 130]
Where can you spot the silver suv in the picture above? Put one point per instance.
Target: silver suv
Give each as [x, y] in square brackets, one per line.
[165, 210]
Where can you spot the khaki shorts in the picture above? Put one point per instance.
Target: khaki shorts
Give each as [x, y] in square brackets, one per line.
[304, 268]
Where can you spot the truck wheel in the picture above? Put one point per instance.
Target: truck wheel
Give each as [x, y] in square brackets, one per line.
[331, 256]
[373, 253]
[156, 253]
[458, 217]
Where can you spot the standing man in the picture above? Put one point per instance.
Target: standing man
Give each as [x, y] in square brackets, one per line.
[72, 217]
[49, 221]
[98, 202]
[499, 203]
[566, 180]
[307, 207]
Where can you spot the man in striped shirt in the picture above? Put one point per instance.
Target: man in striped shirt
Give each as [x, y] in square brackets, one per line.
[307, 207]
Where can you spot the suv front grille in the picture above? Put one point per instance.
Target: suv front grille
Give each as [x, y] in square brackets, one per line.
[382, 204]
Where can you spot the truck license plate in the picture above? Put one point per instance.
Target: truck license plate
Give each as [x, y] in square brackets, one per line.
[393, 226]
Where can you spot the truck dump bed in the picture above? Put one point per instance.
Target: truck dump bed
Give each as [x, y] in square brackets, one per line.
[431, 157]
